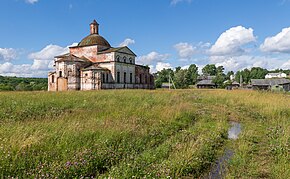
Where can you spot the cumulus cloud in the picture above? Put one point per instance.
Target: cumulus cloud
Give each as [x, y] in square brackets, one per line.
[185, 50]
[278, 43]
[127, 42]
[247, 61]
[231, 42]
[49, 52]
[7, 54]
[42, 63]
[286, 65]
[152, 57]
[31, 1]
[23, 70]
[174, 2]
[161, 65]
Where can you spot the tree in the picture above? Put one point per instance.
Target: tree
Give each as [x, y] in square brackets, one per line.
[220, 76]
[209, 69]
[180, 79]
[192, 74]
[258, 73]
[220, 70]
[177, 69]
[163, 76]
[219, 80]
[229, 74]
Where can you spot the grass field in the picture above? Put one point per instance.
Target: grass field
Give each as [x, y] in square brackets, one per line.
[140, 133]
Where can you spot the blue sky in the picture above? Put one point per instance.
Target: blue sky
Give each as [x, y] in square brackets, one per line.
[163, 33]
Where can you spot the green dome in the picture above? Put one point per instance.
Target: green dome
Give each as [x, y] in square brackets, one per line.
[94, 39]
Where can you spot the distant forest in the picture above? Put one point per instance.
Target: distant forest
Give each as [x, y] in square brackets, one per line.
[22, 84]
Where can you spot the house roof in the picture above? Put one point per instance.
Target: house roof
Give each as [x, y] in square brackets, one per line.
[235, 83]
[269, 82]
[205, 77]
[206, 82]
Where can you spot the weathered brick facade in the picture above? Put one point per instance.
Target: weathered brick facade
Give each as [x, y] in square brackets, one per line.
[93, 64]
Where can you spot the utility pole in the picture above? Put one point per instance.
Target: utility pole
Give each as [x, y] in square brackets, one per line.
[241, 80]
[170, 79]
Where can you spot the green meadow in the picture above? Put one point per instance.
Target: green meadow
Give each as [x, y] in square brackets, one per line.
[143, 134]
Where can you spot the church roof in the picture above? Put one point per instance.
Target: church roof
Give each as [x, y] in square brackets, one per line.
[94, 39]
[71, 58]
[118, 49]
[94, 67]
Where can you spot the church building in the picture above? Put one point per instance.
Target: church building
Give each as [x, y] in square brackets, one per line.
[93, 65]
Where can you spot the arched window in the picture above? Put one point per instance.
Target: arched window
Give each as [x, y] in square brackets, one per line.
[103, 78]
[107, 77]
[52, 78]
[118, 77]
[130, 60]
[125, 76]
[125, 59]
[140, 78]
[131, 78]
[118, 58]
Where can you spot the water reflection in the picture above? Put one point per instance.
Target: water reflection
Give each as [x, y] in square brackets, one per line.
[234, 131]
[218, 170]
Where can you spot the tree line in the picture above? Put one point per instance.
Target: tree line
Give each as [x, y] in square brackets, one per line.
[22, 84]
[184, 78]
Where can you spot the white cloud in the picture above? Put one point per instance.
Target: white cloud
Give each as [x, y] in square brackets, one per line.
[7, 54]
[49, 52]
[23, 70]
[152, 57]
[248, 61]
[286, 65]
[174, 2]
[42, 63]
[278, 43]
[231, 42]
[185, 50]
[161, 65]
[31, 1]
[127, 42]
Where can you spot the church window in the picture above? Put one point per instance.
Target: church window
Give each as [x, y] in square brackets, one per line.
[60, 73]
[52, 78]
[140, 77]
[118, 77]
[130, 60]
[124, 58]
[103, 75]
[131, 78]
[125, 76]
[118, 58]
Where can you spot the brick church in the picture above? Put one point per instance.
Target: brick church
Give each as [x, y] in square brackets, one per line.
[93, 65]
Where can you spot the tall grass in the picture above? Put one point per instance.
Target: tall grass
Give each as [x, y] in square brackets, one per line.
[140, 133]
[263, 150]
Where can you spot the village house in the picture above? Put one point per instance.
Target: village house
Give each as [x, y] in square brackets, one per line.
[206, 82]
[276, 75]
[271, 84]
[93, 64]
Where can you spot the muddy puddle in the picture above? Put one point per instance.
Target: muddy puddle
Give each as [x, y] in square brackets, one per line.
[218, 170]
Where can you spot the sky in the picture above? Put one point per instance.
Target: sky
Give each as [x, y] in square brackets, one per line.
[236, 34]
